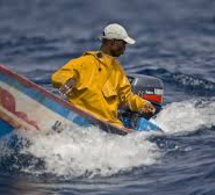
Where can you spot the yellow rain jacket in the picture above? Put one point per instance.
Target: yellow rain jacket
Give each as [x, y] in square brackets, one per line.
[101, 85]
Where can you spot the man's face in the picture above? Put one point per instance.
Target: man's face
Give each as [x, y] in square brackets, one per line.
[118, 47]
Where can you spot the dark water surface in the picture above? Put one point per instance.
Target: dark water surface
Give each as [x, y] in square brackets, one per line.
[175, 42]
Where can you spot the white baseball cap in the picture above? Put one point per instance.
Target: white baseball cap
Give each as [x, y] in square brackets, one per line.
[116, 31]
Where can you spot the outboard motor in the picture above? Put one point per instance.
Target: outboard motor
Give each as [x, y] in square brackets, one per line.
[149, 88]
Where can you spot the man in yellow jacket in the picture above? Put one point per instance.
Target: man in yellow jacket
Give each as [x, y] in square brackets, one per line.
[96, 81]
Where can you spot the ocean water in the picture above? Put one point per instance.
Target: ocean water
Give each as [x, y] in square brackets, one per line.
[175, 41]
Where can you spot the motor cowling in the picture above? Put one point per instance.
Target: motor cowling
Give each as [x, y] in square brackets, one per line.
[149, 88]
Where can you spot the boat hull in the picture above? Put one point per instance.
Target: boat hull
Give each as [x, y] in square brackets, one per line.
[25, 105]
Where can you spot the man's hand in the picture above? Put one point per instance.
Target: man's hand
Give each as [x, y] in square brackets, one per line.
[67, 87]
[148, 108]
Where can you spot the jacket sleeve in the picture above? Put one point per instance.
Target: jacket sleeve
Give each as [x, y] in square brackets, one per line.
[68, 71]
[127, 97]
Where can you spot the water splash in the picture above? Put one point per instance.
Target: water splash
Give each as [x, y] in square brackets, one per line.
[187, 116]
[78, 152]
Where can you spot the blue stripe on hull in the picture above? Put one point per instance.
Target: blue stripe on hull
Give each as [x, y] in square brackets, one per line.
[5, 128]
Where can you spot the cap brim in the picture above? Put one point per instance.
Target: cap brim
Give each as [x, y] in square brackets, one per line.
[129, 40]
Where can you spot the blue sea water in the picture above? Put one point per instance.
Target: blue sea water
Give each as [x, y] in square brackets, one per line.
[175, 41]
